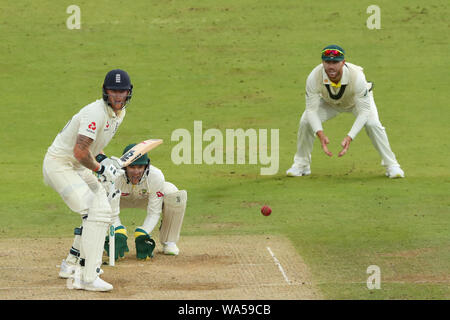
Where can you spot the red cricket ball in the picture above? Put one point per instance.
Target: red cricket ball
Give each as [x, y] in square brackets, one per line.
[266, 211]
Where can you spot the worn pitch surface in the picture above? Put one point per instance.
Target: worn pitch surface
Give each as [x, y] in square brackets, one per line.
[208, 267]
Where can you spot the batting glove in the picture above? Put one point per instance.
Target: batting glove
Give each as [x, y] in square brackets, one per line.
[121, 246]
[144, 244]
[110, 168]
[109, 173]
[104, 160]
[111, 190]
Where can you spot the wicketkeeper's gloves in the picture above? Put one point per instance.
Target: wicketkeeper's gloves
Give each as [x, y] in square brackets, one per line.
[121, 246]
[144, 244]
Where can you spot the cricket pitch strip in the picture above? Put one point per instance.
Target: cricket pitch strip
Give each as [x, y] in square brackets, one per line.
[208, 268]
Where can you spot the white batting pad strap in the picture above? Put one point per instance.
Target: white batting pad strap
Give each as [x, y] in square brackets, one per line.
[173, 214]
[176, 199]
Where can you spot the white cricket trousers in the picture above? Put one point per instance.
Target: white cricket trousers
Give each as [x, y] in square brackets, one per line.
[84, 194]
[373, 127]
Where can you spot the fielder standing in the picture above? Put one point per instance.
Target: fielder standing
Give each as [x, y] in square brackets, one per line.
[68, 168]
[143, 186]
[336, 86]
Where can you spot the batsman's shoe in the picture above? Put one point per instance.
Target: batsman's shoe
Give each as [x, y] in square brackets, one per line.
[75, 281]
[66, 269]
[296, 171]
[394, 172]
[171, 249]
[96, 285]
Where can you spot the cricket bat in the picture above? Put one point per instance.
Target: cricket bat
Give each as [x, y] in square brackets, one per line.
[138, 151]
[126, 159]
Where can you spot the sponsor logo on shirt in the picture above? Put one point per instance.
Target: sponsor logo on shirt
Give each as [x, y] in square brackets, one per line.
[160, 194]
[92, 126]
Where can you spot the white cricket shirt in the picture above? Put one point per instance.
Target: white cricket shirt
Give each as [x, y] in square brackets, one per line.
[352, 93]
[149, 191]
[96, 121]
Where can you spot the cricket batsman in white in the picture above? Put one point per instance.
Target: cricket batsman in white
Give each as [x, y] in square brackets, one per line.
[333, 87]
[143, 186]
[68, 168]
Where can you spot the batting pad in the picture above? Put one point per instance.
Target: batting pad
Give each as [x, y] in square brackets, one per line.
[92, 241]
[173, 214]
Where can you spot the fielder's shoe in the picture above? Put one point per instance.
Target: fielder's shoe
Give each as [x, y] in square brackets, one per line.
[394, 172]
[171, 248]
[76, 282]
[296, 171]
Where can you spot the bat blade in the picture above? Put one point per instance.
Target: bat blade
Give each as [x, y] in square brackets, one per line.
[139, 150]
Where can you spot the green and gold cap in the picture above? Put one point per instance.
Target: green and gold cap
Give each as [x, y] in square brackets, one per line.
[333, 52]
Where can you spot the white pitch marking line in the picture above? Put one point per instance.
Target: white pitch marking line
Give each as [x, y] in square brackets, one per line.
[279, 266]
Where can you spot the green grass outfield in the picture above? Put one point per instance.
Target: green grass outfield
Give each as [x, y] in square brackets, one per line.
[243, 64]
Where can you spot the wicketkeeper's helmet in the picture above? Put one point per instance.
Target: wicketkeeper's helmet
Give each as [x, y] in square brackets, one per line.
[117, 79]
[144, 160]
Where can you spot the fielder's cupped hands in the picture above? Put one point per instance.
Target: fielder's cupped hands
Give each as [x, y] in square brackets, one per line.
[345, 144]
[324, 141]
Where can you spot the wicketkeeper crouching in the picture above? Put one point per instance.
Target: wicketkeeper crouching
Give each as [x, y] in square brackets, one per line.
[143, 186]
